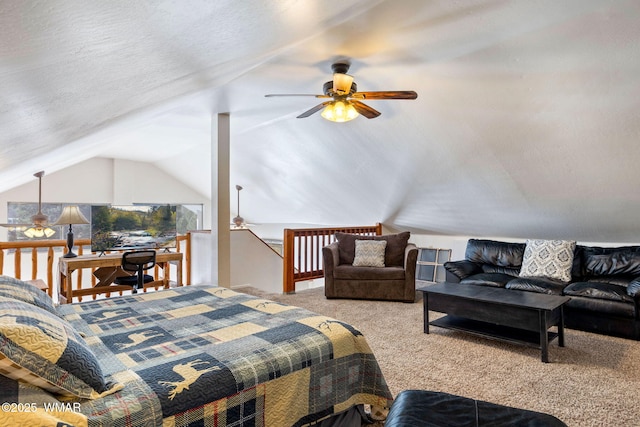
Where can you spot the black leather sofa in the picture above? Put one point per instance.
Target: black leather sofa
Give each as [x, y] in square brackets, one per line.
[604, 286]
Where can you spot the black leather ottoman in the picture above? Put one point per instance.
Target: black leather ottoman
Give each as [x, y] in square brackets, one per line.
[416, 408]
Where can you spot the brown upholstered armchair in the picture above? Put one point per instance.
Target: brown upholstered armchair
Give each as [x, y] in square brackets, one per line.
[396, 281]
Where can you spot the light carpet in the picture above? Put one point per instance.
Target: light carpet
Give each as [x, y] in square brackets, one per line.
[593, 381]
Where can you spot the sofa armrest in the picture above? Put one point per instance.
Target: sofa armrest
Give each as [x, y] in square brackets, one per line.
[330, 259]
[461, 269]
[410, 256]
[633, 290]
[410, 263]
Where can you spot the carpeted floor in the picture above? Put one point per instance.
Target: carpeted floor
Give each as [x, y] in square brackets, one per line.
[593, 381]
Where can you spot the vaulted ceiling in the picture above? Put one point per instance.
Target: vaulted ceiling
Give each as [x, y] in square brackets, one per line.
[526, 123]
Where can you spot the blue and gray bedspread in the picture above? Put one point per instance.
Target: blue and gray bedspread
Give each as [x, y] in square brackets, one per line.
[195, 356]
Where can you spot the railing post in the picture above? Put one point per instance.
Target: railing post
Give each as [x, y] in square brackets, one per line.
[50, 255]
[288, 285]
[34, 263]
[17, 263]
[187, 259]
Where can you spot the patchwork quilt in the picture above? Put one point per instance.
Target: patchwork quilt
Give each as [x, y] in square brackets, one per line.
[195, 356]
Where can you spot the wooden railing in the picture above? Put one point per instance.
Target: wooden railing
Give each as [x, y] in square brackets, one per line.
[38, 249]
[302, 251]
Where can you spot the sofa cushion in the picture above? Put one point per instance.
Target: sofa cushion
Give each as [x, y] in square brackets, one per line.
[601, 307]
[369, 253]
[552, 259]
[497, 280]
[502, 254]
[614, 280]
[537, 284]
[611, 261]
[597, 290]
[394, 253]
[486, 268]
[349, 272]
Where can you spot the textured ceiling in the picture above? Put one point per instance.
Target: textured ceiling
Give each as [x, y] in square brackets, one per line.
[526, 125]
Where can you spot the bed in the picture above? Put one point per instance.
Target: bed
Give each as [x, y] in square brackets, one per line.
[188, 356]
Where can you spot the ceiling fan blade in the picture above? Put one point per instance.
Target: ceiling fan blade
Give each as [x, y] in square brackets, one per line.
[365, 110]
[398, 94]
[313, 110]
[296, 94]
[342, 83]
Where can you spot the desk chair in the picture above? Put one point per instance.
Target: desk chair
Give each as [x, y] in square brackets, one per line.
[137, 261]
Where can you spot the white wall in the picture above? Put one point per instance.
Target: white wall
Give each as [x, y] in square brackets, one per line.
[201, 256]
[254, 263]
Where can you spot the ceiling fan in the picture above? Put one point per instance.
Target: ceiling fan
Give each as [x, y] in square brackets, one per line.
[345, 101]
[238, 221]
[39, 226]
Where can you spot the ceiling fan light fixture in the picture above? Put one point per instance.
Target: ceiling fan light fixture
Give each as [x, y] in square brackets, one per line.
[339, 111]
[39, 232]
[342, 83]
[40, 221]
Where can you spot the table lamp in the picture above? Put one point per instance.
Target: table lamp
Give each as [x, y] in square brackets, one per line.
[71, 215]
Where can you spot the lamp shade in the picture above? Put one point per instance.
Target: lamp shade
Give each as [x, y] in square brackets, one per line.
[71, 215]
[339, 111]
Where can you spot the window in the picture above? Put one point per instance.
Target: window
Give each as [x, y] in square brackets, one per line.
[431, 265]
[188, 217]
[21, 213]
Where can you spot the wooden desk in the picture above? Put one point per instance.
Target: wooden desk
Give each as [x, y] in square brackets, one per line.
[107, 270]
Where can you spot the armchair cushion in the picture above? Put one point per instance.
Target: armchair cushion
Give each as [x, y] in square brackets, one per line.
[394, 253]
[369, 253]
[349, 272]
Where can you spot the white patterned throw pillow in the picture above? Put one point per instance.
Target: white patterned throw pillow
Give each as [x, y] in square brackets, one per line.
[552, 259]
[369, 253]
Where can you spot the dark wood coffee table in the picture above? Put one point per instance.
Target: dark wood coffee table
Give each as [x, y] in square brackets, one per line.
[508, 315]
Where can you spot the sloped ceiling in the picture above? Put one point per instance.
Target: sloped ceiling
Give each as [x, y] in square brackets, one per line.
[526, 124]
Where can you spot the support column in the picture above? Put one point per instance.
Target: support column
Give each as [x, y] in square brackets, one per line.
[220, 200]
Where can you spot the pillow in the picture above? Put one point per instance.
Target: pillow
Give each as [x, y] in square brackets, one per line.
[39, 348]
[552, 259]
[369, 253]
[394, 255]
[25, 292]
